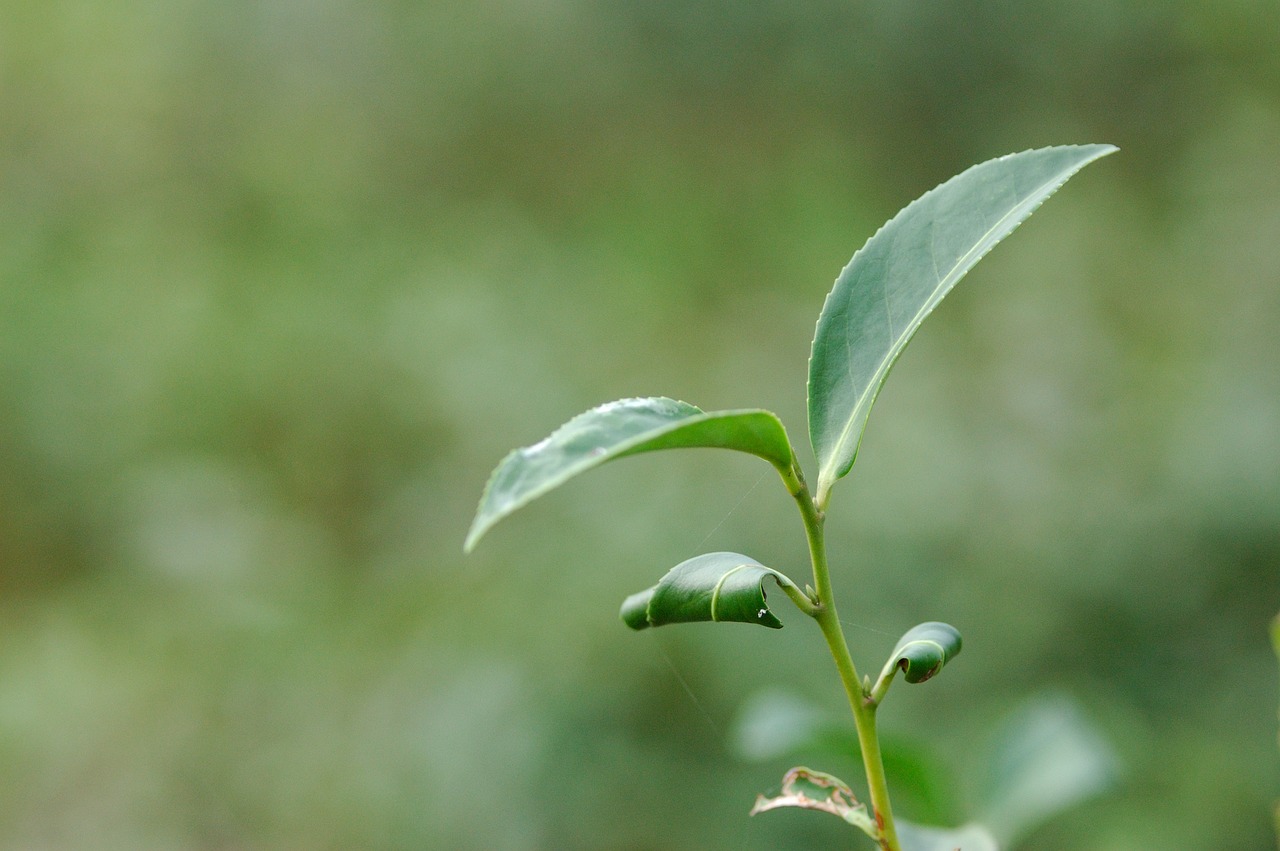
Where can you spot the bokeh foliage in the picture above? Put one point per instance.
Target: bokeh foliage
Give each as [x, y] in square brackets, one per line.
[282, 282]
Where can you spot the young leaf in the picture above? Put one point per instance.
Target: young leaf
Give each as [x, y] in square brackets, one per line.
[970, 837]
[616, 430]
[923, 650]
[813, 790]
[899, 276]
[711, 587]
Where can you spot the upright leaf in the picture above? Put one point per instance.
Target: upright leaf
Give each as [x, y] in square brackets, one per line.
[710, 587]
[896, 279]
[616, 430]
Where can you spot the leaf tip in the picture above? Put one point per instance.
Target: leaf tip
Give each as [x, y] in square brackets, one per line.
[635, 609]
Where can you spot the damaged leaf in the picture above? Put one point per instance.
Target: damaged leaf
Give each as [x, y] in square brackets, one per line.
[814, 790]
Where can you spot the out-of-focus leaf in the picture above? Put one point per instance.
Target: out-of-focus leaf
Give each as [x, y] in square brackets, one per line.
[1046, 758]
[923, 650]
[969, 837]
[710, 587]
[896, 279]
[813, 790]
[776, 724]
[1275, 644]
[616, 430]
[773, 723]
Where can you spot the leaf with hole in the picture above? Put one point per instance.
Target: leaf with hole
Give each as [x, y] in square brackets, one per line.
[710, 587]
[616, 430]
[901, 274]
[814, 790]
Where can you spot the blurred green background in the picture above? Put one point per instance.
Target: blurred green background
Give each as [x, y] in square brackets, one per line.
[283, 281]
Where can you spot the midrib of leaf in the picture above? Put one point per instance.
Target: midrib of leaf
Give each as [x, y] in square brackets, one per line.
[942, 651]
[869, 393]
[715, 593]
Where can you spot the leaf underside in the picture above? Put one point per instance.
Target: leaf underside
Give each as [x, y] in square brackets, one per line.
[711, 587]
[924, 649]
[896, 279]
[616, 430]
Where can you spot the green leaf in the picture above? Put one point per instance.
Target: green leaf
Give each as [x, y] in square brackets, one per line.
[616, 430]
[711, 587]
[896, 279]
[923, 650]
[970, 837]
[814, 790]
[1046, 758]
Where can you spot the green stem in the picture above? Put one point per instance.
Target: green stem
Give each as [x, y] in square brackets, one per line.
[864, 710]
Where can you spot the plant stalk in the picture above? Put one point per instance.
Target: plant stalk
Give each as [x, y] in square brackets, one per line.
[864, 710]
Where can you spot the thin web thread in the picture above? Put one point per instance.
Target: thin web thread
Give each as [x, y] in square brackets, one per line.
[736, 506]
[711, 721]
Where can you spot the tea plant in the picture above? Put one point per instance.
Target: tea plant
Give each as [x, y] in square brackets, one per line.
[879, 300]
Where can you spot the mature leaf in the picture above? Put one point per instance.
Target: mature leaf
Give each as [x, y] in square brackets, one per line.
[970, 837]
[924, 649]
[896, 279]
[814, 790]
[710, 587]
[1047, 758]
[616, 430]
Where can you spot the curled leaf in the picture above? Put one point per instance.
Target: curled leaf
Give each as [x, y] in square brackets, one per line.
[814, 790]
[923, 650]
[616, 430]
[710, 587]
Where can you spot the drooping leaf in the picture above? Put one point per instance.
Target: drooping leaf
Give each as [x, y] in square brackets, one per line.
[896, 279]
[814, 790]
[969, 837]
[710, 587]
[616, 430]
[1046, 758]
[923, 650]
